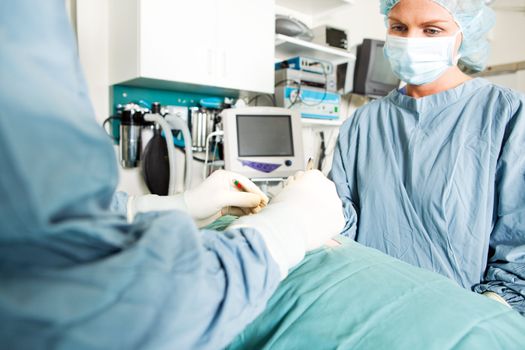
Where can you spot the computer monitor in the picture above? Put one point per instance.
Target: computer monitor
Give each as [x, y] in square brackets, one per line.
[262, 142]
[373, 75]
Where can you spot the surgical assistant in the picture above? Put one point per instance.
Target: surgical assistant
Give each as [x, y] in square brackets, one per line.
[74, 274]
[436, 177]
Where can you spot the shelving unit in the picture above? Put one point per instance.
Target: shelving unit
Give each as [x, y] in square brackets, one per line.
[286, 47]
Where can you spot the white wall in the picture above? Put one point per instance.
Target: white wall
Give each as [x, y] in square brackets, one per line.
[508, 46]
[514, 81]
[92, 33]
[507, 42]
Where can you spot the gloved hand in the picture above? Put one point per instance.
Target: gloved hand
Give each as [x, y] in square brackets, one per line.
[303, 216]
[216, 196]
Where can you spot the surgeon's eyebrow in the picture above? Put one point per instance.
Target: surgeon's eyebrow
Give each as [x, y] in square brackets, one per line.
[393, 19]
[432, 21]
[435, 21]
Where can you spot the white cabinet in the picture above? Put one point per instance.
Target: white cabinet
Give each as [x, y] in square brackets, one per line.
[195, 45]
[246, 46]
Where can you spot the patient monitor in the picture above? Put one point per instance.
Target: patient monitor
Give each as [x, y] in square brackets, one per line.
[262, 142]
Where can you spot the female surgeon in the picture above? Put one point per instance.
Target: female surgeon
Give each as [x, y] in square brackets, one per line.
[434, 173]
[75, 274]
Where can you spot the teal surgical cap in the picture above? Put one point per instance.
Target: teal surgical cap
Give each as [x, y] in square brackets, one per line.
[474, 18]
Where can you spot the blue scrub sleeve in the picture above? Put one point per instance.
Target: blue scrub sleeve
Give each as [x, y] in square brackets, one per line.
[344, 179]
[169, 287]
[505, 274]
[119, 203]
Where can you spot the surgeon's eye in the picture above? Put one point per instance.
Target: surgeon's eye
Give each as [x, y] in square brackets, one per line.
[432, 31]
[397, 28]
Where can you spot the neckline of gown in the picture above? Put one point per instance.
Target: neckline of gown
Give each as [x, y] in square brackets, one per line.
[436, 101]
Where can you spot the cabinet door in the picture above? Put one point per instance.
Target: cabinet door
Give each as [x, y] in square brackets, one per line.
[246, 44]
[178, 40]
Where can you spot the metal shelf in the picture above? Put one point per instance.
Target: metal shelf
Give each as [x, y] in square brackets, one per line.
[508, 68]
[286, 47]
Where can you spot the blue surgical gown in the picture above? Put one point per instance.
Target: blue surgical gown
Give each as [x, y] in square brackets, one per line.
[73, 273]
[439, 182]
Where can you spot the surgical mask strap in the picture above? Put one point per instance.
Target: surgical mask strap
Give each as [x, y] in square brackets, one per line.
[455, 60]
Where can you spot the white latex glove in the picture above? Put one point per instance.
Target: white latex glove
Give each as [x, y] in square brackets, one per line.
[302, 217]
[216, 196]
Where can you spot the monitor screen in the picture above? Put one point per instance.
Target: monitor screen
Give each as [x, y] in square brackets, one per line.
[380, 71]
[264, 135]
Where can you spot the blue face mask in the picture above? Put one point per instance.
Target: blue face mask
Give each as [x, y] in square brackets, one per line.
[419, 61]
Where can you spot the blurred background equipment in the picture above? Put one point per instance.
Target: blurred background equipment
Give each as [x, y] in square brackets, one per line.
[307, 85]
[306, 64]
[202, 122]
[155, 175]
[131, 124]
[330, 36]
[146, 139]
[373, 75]
[293, 76]
[293, 27]
[311, 103]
